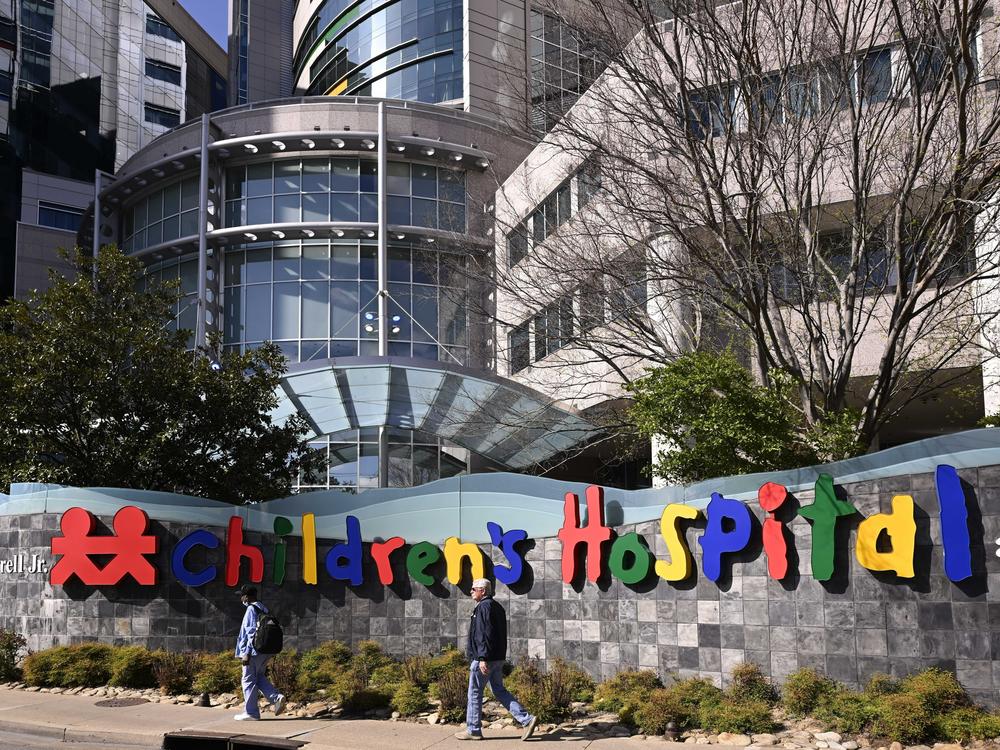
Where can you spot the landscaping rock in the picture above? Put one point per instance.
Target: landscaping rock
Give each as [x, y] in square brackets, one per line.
[827, 736]
[33, 689]
[947, 746]
[895, 746]
[834, 745]
[740, 740]
[764, 740]
[433, 718]
[315, 710]
[850, 745]
[395, 715]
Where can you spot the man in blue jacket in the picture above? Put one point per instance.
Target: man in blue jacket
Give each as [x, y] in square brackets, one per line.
[254, 664]
[488, 651]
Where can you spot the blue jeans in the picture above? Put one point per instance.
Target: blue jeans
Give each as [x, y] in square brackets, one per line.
[254, 680]
[477, 683]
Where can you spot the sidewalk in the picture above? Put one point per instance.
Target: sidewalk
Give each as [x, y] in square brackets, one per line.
[74, 718]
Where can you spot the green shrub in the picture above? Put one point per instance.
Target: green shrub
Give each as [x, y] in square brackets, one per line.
[175, 672]
[284, 669]
[847, 711]
[83, 665]
[696, 694]
[409, 699]
[937, 690]
[218, 673]
[448, 660]
[661, 707]
[546, 695]
[353, 691]
[965, 724]
[739, 716]
[370, 657]
[414, 670]
[388, 676]
[749, 683]
[133, 667]
[12, 645]
[630, 686]
[902, 718]
[320, 666]
[570, 679]
[881, 684]
[451, 689]
[803, 690]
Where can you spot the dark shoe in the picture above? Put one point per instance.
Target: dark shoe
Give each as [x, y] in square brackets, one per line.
[467, 736]
[529, 728]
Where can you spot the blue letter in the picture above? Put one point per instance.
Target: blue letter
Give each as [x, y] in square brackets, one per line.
[181, 573]
[954, 524]
[512, 574]
[715, 542]
[343, 561]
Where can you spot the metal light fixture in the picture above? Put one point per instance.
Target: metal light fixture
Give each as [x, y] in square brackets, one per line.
[368, 143]
[250, 147]
[280, 145]
[337, 142]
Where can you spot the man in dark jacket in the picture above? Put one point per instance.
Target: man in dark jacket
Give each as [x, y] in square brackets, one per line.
[487, 652]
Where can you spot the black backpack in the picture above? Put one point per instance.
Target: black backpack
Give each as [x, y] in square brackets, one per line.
[268, 638]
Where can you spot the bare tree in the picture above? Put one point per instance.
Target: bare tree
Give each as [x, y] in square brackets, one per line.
[805, 180]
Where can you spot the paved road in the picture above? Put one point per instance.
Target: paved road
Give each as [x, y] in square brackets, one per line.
[16, 741]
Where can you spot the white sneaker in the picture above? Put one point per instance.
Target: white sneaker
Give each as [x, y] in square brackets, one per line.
[279, 704]
[246, 717]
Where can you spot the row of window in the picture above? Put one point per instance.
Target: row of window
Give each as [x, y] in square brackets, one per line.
[317, 190]
[413, 458]
[162, 71]
[570, 316]
[554, 211]
[798, 93]
[58, 216]
[158, 27]
[562, 67]
[320, 300]
[163, 216]
[163, 116]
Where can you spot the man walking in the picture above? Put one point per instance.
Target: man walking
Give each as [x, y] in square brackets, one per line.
[254, 664]
[488, 651]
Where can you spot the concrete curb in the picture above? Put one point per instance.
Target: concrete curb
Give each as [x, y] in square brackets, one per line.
[68, 734]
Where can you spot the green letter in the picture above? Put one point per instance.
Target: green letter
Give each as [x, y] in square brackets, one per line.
[629, 544]
[823, 513]
[420, 557]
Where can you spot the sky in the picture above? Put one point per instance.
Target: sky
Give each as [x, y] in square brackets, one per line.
[212, 15]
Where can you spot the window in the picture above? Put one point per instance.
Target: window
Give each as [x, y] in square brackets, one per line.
[168, 118]
[158, 27]
[562, 66]
[592, 304]
[628, 290]
[588, 181]
[162, 71]
[930, 65]
[553, 327]
[517, 244]
[710, 111]
[875, 76]
[59, 217]
[518, 348]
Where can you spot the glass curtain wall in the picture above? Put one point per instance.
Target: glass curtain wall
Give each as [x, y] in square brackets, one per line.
[317, 299]
[413, 457]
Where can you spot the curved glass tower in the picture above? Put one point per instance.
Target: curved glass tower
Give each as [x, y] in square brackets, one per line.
[346, 231]
[401, 49]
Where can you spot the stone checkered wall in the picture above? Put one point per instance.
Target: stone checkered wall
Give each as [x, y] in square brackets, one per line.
[855, 625]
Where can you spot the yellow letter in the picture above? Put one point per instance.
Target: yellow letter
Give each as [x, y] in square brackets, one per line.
[679, 566]
[902, 531]
[456, 551]
[309, 548]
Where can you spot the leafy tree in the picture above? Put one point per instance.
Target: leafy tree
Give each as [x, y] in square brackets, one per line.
[100, 391]
[716, 421]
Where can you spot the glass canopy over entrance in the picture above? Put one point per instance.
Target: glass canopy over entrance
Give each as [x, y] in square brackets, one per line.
[508, 425]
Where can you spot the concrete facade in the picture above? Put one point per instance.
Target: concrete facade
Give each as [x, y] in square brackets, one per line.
[851, 627]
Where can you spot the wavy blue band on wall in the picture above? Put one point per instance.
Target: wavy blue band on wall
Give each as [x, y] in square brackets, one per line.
[462, 506]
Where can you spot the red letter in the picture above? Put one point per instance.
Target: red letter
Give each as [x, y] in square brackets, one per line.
[594, 534]
[771, 497]
[380, 554]
[236, 550]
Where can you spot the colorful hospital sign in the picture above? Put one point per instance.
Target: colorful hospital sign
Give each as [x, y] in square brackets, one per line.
[729, 529]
